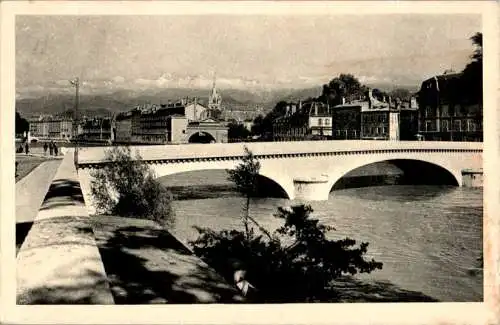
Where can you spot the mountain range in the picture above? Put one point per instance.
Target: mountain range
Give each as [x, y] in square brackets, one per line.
[124, 100]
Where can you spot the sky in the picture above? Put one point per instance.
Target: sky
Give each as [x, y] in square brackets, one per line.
[245, 52]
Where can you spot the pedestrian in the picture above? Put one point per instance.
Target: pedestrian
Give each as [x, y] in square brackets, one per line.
[51, 148]
[55, 150]
[45, 147]
[26, 148]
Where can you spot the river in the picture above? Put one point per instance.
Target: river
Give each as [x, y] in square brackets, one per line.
[428, 237]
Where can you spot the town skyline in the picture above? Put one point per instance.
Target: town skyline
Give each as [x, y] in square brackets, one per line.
[136, 53]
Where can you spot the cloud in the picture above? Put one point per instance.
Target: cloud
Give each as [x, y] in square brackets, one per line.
[118, 79]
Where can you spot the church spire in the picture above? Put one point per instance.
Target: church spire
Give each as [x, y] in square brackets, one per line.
[214, 100]
[214, 87]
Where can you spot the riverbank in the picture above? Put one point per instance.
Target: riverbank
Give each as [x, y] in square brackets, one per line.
[145, 264]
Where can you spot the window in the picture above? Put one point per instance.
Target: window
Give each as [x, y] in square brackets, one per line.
[428, 126]
[444, 111]
[457, 125]
[320, 122]
[471, 126]
[428, 111]
[327, 121]
[444, 126]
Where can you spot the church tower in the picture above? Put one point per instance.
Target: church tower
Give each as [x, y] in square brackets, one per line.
[215, 99]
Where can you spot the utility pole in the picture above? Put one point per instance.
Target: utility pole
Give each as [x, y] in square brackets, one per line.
[76, 84]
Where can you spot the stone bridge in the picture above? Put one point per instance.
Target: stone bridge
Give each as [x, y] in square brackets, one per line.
[305, 170]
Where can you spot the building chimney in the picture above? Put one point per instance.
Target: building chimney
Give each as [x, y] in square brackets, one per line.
[370, 98]
[316, 109]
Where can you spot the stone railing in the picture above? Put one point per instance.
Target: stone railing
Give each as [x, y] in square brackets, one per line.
[59, 261]
[271, 150]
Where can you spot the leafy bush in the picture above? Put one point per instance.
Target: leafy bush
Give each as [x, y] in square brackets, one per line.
[296, 265]
[127, 187]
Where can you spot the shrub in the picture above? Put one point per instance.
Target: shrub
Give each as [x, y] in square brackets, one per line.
[297, 265]
[127, 187]
[245, 177]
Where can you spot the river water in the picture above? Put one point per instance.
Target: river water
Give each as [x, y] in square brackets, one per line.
[428, 237]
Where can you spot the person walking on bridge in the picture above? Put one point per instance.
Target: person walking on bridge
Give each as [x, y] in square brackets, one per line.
[45, 147]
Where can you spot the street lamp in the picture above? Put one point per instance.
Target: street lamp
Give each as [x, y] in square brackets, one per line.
[76, 84]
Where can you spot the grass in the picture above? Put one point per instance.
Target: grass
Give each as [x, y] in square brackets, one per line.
[27, 164]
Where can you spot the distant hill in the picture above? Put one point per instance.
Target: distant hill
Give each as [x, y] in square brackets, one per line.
[301, 94]
[387, 87]
[124, 100]
[297, 94]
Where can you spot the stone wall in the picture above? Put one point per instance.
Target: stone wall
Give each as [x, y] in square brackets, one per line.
[59, 261]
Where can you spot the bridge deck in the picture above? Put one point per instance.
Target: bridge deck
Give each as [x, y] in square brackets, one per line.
[187, 151]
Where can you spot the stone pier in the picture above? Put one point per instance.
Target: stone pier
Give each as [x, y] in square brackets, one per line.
[311, 188]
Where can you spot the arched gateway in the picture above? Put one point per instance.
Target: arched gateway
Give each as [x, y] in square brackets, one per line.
[201, 137]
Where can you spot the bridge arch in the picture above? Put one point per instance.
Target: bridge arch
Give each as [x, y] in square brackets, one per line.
[268, 185]
[415, 171]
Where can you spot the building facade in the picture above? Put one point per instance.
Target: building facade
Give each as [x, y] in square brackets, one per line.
[174, 122]
[320, 119]
[123, 128]
[346, 119]
[97, 129]
[389, 120]
[51, 128]
[194, 111]
[303, 121]
[443, 113]
[207, 131]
